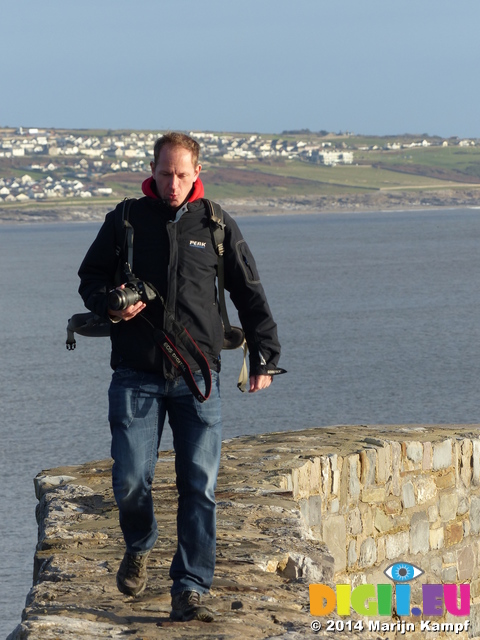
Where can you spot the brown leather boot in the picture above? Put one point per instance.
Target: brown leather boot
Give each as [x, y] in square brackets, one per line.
[186, 606]
[132, 574]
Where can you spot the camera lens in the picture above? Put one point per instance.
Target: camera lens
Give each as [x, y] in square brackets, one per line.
[120, 299]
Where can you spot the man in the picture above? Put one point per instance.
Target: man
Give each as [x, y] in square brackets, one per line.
[173, 252]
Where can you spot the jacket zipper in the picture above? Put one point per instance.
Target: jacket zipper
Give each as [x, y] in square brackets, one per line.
[171, 290]
[171, 301]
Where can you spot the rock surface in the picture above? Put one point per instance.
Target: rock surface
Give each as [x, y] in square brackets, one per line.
[267, 553]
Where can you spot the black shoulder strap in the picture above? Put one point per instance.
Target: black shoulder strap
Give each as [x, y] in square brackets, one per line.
[123, 238]
[217, 225]
[217, 228]
[234, 336]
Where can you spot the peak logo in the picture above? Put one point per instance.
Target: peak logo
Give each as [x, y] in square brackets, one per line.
[373, 600]
[196, 244]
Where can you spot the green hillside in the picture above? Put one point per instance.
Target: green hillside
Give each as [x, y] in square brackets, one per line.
[61, 167]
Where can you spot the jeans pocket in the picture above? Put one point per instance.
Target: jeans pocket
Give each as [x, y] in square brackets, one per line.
[123, 396]
[208, 412]
[200, 381]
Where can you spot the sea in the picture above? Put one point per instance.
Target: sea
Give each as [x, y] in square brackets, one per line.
[378, 314]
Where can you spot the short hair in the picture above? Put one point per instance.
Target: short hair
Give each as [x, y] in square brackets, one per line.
[176, 139]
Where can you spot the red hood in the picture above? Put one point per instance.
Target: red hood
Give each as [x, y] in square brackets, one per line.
[148, 189]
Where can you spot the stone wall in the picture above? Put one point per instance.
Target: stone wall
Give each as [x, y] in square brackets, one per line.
[410, 496]
[327, 505]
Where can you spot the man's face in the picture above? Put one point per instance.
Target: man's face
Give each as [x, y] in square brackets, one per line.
[174, 174]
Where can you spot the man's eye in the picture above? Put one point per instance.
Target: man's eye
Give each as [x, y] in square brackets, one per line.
[402, 572]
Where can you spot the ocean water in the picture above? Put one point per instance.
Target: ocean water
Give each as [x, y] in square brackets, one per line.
[378, 316]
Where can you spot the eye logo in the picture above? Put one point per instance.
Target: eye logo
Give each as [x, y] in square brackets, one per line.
[403, 572]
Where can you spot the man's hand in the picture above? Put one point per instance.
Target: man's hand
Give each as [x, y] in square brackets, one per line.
[259, 382]
[128, 313]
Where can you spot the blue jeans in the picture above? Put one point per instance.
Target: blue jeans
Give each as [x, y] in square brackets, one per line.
[138, 404]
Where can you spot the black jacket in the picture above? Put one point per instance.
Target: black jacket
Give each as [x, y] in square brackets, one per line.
[178, 258]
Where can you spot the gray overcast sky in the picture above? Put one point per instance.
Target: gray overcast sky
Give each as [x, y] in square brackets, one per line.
[366, 66]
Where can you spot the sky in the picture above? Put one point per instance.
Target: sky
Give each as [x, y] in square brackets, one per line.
[372, 67]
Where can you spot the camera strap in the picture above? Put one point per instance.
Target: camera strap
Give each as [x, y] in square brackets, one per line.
[173, 354]
[168, 345]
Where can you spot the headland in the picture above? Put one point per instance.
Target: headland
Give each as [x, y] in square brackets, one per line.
[78, 175]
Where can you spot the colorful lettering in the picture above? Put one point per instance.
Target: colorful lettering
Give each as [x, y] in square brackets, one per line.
[432, 599]
[343, 599]
[362, 600]
[402, 599]
[322, 599]
[450, 596]
[384, 595]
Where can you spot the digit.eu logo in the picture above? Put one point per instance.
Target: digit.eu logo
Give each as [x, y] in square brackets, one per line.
[373, 600]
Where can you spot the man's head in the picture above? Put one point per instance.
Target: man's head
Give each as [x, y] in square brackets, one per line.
[175, 167]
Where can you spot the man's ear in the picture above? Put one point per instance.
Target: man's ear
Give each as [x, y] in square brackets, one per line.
[198, 168]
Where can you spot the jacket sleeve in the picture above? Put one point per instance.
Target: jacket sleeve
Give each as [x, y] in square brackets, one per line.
[246, 291]
[98, 269]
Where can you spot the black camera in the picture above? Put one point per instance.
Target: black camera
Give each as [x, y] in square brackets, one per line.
[135, 290]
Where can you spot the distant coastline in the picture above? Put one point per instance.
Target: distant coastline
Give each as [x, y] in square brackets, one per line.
[55, 175]
[345, 203]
